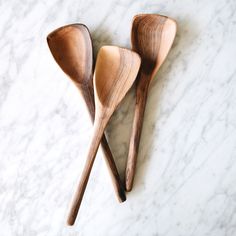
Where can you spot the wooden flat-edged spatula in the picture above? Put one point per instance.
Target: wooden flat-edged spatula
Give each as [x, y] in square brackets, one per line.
[152, 37]
[115, 72]
[71, 47]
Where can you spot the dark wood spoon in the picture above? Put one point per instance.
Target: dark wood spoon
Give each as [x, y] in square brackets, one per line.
[152, 37]
[71, 47]
[115, 72]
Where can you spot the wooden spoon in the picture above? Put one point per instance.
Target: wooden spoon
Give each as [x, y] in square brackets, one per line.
[115, 72]
[71, 46]
[152, 37]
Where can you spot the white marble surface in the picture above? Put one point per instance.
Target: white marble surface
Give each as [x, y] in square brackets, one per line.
[185, 182]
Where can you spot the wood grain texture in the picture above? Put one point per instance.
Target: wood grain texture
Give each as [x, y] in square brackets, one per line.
[71, 46]
[115, 72]
[152, 37]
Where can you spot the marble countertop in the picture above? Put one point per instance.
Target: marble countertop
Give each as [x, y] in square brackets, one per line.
[185, 181]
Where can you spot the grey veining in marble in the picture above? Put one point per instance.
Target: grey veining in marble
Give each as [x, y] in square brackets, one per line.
[186, 175]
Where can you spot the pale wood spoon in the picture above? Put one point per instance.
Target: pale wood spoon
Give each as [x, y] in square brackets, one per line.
[71, 47]
[152, 36]
[115, 72]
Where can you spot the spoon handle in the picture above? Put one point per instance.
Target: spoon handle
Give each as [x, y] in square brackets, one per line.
[98, 132]
[141, 98]
[88, 94]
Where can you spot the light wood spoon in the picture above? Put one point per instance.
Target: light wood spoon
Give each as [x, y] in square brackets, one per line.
[152, 37]
[71, 47]
[115, 72]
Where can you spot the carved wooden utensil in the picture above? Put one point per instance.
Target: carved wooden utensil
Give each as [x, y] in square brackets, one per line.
[115, 72]
[71, 46]
[152, 37]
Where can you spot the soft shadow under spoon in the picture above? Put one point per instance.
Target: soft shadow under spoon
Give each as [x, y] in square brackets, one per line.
[115, 72]
[152, 37]
[71, 47]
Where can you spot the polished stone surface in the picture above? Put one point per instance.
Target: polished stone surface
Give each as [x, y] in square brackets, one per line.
[185, 182]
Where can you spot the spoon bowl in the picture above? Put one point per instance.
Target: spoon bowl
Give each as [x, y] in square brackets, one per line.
[71, 47]
[152, 37]
[112, 84]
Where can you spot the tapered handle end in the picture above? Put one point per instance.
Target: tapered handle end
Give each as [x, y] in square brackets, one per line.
[71, 219]
[121, 195]
[128, 187]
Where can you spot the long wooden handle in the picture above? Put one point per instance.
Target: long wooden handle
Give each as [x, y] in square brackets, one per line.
[141, 98]
[88, 94]
[98, 132]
